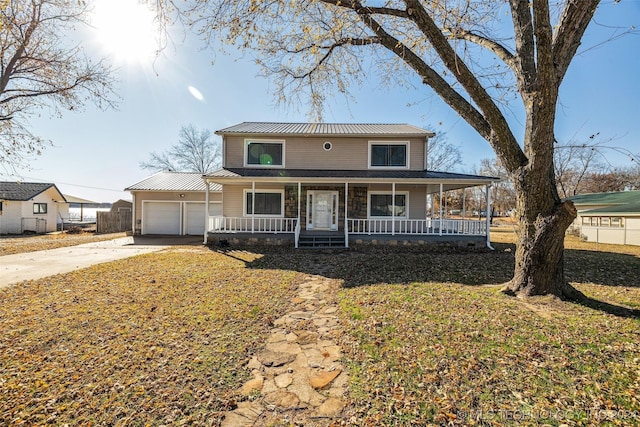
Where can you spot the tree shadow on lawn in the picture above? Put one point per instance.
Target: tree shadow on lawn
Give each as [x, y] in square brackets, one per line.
[400, 265]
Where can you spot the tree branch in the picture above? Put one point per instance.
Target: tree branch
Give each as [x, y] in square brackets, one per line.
[499, 50]
[572, 25]
[525, 44]
[504, 143]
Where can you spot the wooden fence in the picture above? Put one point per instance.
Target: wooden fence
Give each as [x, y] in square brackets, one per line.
[113, 222]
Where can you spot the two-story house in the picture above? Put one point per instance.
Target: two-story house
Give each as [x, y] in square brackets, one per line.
[326, 184]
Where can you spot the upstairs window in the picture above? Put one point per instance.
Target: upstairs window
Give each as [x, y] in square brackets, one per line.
[388, 155]
[39, 208]
[264, 153]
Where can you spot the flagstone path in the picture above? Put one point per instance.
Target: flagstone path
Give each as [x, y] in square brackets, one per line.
[297, 376]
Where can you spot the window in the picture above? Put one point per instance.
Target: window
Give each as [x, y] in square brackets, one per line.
[388, 155]
[0, 208]
[586, 220]
[39, 208]
[268, 203]
[616, 222]
[380, 204]
[264, 153]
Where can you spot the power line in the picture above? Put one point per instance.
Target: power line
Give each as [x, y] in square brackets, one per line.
[65, 183]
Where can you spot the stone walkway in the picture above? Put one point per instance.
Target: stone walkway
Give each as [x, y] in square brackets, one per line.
[297, 377]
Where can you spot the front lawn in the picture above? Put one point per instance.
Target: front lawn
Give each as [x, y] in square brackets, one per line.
[159, 339]
[423, 350]
[428, 338]
[40, 242]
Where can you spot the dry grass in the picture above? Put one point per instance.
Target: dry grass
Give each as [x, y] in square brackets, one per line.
[429, 340]
[21, 244]
[159, 339]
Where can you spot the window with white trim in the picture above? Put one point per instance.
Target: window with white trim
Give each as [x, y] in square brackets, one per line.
[39, 208]
[268, 203]
[264, 153]
[388, 154]
[381, 206]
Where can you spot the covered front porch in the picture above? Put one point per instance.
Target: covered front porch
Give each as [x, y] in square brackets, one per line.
[319, 212]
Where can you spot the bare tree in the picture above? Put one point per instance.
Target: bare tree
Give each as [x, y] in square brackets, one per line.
[504, 193]
[465, 52]
[194, 152]
[443, 155]
[40, 68]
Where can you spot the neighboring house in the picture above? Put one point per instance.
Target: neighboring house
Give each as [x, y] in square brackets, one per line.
[608, 217]
[30, 207]
[321, 184]
[172, 203]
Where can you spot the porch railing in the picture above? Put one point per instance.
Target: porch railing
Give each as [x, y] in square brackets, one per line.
[417, 226]
[226, 224]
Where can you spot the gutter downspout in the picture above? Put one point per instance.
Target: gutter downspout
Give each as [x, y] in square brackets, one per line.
[488, 217]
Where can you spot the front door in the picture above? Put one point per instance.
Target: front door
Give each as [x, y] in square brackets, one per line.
[322, 210]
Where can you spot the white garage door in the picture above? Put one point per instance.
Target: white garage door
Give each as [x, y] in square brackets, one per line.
[161, 218]
[194, 216]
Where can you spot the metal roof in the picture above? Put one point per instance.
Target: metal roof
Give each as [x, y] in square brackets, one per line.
[325, 129]
[347, 174]
[614, 198]
[22, 191]
[628, 209]
[73, 199]
[173, 181]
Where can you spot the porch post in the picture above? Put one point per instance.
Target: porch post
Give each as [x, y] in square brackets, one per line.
[206, 209]
[440, 209]
[133, 214]
[346, 224]
[393, 208]
[298, 226]
[464, 203]
[253, 205]
[488, 215]
[299, 194]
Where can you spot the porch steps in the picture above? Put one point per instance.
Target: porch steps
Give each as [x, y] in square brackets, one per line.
[321, 240]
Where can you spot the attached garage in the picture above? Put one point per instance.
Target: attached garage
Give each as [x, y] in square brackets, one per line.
[194, 214]
[161, 218]
[173, 203]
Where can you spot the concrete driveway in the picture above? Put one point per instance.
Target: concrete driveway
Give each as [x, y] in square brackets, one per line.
[35, 265]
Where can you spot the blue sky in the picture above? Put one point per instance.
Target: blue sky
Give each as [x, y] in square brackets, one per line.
[96, 154]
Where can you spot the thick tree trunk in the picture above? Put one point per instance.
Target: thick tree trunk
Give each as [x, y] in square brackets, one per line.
[539, 263]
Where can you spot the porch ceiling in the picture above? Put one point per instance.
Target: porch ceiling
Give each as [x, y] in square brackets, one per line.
[450, 181]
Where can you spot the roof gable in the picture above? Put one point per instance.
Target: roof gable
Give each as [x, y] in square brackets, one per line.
[22, 191]
[326, 129]
[173, 181]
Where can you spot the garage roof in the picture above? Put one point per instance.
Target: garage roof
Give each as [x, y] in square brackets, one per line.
[173, 181]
